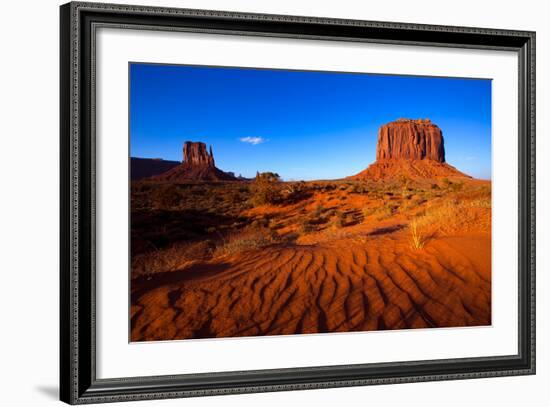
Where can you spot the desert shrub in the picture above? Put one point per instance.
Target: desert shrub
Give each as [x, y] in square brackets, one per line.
[293, 188]
[318, 211]
[375, 194]
[404, 180]
[296, 191]
[265, 189]
[273, 224]
[418, 200]
[165, 197]
[386, 211]
[484, 190]
[405, 183]
[235, 197]
[330, 213]
[339, 220]
[414, 202]
[359, 188]
[410, 204]
[368, 211]
[456, 186]
[246, 239]
[261, 222]
[141, 187]
[307, 225]
[170, 259]
[317, 217]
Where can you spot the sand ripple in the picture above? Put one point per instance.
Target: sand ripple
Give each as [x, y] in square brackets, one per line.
[346, 285]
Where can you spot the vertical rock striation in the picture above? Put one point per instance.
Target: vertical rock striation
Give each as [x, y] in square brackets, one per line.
[410, 139]
[194, 153]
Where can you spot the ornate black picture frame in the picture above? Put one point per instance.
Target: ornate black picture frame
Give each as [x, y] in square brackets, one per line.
[78, 380]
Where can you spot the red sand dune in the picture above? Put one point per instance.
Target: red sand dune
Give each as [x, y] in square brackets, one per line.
[377, 282]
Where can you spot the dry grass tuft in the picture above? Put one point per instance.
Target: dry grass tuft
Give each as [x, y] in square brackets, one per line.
[451, 217]
[418, 238]
[247, 239]
[170, 259]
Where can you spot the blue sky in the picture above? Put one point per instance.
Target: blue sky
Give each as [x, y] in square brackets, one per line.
[300, 124]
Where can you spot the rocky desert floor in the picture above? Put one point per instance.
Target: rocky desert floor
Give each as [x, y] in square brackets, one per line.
[226, 259]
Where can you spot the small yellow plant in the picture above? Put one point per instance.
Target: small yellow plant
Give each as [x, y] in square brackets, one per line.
[417, 238]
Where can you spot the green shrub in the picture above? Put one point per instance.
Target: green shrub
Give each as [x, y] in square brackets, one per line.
[265, 189]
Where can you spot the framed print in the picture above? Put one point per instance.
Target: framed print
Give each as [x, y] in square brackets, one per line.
[256, 203]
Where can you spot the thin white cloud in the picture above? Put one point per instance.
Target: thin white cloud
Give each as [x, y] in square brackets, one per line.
[253, 140]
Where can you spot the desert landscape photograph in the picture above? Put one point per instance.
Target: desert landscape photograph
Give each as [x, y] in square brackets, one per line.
[278, 202]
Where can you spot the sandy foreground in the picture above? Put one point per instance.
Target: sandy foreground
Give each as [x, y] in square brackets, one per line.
[370, 279]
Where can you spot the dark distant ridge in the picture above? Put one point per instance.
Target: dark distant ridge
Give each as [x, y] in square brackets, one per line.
[148, 167]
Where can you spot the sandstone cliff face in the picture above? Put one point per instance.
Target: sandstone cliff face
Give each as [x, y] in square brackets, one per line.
[410, 148]
[410, 139]
[195, 153]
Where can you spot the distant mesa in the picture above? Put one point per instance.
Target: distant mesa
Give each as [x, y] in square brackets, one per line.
[410, 148]
[239, 177]
[198, 165]
[148, 167]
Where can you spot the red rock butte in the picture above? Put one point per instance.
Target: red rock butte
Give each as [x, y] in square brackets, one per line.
[410, 139]
[195, 153]
[198, 165]
[410, 148]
